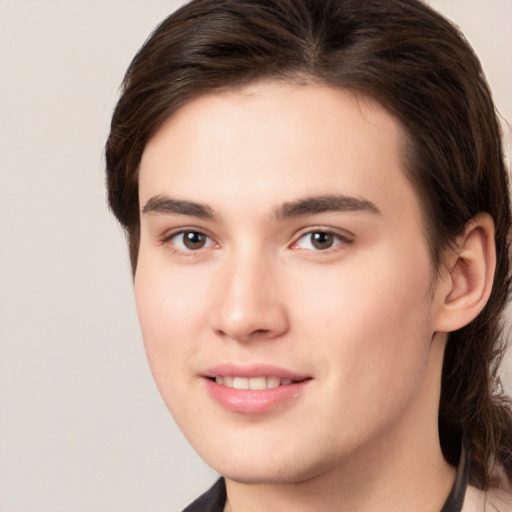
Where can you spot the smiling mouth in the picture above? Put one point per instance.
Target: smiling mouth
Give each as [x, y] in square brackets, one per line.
[253, 383]
[254, 389]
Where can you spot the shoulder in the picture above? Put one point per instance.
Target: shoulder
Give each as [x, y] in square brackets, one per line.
[493, 500]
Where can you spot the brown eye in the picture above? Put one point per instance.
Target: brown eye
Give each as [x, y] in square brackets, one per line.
[322, 240]
[194, 240]
[187, 242]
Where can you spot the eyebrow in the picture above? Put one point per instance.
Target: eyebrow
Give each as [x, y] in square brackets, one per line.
[323, 204]
[306, 206]
[165, 204]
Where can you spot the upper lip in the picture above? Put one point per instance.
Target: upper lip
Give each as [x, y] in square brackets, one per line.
[253, 370]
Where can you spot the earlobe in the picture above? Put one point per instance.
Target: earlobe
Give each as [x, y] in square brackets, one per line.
[467, 279]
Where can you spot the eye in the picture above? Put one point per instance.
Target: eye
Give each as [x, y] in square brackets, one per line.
[320, 240]
[189, 240]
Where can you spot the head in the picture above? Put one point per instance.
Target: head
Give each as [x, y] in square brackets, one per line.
[398, 55]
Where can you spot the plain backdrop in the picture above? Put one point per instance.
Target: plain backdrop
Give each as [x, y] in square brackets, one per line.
[82, 427]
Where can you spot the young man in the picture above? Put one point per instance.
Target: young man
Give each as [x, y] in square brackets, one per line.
[317, 210]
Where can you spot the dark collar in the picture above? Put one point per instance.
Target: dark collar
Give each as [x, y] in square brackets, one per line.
[215, 498]
[212, 500]
[456, 497]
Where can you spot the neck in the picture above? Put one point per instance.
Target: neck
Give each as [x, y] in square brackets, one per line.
[401, 469]
[400, 483]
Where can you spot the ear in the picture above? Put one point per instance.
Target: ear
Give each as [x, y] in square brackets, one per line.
[466, 281]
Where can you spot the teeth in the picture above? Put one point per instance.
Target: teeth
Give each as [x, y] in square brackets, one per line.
[253, 382]
[273, 382]
[258, 383]
[241, 383]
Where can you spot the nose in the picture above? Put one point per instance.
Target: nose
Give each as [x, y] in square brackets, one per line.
[250, 302]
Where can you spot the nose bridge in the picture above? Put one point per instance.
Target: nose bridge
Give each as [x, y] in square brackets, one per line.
[251, 305]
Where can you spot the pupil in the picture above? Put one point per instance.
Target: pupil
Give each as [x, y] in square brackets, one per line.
[322, 240]
[194, 240]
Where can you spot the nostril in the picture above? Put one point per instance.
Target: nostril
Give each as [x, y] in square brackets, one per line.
[259, 332]
[250, 323]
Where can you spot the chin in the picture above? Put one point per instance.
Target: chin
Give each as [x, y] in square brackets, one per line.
[266, 475]
[268, 466]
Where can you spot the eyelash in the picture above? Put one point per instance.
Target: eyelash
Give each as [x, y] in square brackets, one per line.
[169, 240]
[337, 239]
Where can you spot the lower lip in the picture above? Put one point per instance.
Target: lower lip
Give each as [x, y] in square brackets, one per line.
[250, 401]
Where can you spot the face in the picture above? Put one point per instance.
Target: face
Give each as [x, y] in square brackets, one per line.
[283, 281]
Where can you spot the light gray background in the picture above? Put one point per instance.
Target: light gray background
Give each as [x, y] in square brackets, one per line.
[82, 427]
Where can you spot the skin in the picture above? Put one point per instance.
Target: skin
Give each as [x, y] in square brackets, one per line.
[359, 318]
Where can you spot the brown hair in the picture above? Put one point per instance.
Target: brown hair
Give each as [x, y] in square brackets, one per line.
[418, 66]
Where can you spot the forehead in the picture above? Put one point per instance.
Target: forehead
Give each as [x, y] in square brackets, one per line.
[273, 142]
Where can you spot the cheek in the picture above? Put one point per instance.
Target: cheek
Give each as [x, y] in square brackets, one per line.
[371, 315]
[170, 310]
[170, 314]
[371, 334]
[379, 293]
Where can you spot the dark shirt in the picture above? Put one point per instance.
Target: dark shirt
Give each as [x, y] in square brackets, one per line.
[214, 499]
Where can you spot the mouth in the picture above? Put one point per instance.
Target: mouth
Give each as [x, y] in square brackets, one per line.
[254, 383]
[254, 389]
